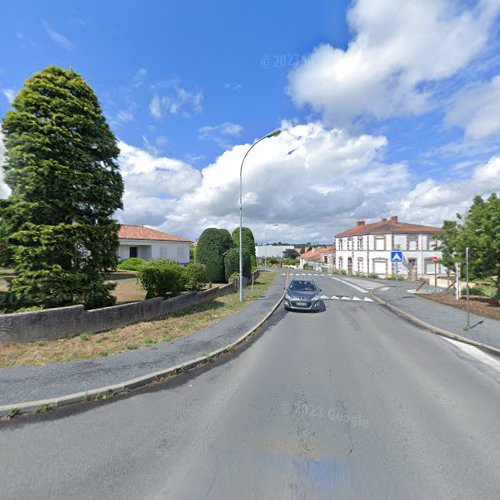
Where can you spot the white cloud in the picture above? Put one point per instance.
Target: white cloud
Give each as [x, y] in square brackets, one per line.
[432, 201]
[155, 106]
[58, 38]
[139, 77]
[220, 133]
[172, 97]
[9, 94]
[232, 85]
[399, 47]
[4, 189]
[328, 179]
[124, 116]
[476, 109]
[153, 184]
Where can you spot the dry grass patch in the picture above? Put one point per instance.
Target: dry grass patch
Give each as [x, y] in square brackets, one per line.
[130, 337]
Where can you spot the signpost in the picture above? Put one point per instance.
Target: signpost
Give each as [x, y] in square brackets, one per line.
[397, 257]
[467, 284]
[435, 260]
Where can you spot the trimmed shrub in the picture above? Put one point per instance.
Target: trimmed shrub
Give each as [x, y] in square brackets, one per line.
[213, 243]
[248, 241]
[232, 263]
[131, 264]
[162, 278]
[196, 276]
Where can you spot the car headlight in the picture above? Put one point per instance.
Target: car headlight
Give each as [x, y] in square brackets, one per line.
[287, 297]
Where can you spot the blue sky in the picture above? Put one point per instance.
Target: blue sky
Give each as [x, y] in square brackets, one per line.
[389, 106]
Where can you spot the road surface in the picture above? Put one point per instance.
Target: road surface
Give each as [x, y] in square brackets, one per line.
[352, 402]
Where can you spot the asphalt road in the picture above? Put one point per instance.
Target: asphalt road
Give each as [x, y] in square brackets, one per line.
[352, 402]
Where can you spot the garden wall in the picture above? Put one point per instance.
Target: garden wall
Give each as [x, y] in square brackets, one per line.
[61, 322]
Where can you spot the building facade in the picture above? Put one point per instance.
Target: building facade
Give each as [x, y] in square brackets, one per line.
[366, 249]
[319, 259]
[147, 244]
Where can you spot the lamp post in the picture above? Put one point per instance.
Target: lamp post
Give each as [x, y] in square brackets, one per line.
[266, 245]
[272, 134]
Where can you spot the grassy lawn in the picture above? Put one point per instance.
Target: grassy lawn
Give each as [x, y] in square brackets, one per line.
[133, 336]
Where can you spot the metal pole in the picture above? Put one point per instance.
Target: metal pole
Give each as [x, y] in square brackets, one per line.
[272, 134]
[467, 284]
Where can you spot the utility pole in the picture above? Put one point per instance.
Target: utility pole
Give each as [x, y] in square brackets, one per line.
[467, 285]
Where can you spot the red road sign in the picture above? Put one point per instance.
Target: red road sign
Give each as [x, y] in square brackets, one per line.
[435, 259]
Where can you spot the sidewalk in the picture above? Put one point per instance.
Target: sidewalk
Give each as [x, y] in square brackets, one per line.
[439, 315]
[26, 383]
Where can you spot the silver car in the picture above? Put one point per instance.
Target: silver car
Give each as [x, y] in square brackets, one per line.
[303, 295]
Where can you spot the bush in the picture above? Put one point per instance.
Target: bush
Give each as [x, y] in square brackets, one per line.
[131, 264]
[473, 290]
[290, 262]
[212, 245]
[162, 278]
[232, 263]
[272, 260]
[248, 241]
[196, 276]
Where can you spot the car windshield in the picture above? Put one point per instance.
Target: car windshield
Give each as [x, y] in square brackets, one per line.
[302, 286]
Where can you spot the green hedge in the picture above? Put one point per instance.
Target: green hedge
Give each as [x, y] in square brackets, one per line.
[232, 263]
[131, 264]
[196, 276]
[163, 278]
[212, 245]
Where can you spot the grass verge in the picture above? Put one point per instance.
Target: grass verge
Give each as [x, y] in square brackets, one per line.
[131, 337]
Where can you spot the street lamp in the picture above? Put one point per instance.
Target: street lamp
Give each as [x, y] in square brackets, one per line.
[272, 134]
[266, 245]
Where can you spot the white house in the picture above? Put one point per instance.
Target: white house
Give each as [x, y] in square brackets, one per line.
[146, 243]
[367, 248]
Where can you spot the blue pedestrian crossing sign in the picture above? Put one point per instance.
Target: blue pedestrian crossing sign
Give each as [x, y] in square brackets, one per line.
[396, 256]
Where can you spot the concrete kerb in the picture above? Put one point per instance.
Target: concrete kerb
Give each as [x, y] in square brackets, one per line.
[434, 329]
[122, 387]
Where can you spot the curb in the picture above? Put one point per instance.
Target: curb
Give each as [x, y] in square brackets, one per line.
[436, 330]
[108, 391]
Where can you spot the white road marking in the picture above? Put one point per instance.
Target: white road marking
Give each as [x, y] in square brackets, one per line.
[345, 298]
[356, 298]
[367, 299]
[477, 353]
[356, 287]
[335, 297]
[323, 297]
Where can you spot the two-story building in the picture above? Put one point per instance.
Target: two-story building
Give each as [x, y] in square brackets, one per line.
[367, 249]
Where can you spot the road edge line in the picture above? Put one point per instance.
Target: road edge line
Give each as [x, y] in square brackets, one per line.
[108, 391]
[435, 329]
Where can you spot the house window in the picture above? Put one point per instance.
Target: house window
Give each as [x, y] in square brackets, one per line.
[325, 259]
[341, 262]
[412, 243]
[360, 264]
[431, 243]
[380, 243]
[133, 252]
[360, 243]
[340, 243]
[349, 244]
[180, 252]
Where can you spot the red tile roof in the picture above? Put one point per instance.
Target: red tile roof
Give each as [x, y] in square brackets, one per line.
[315, 254]
[391, 226]
[128, 232]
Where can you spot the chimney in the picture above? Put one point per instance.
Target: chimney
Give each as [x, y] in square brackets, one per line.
[394, 218]
[360, 223]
